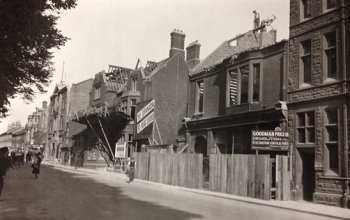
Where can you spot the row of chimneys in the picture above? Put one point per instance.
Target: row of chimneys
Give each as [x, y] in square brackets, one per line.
[178, 45]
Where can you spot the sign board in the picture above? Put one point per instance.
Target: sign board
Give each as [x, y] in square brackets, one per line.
[145, 110]
[120, 150]
[145, 116]
[270, 140]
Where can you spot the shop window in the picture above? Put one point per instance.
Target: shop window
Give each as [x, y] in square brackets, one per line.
[330, 55]
[305, 9]
[306, 127]
[331, 141]
[256, 82]
[305, 56]
[200, 96]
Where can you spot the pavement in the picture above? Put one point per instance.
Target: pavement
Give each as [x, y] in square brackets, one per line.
[299, 206]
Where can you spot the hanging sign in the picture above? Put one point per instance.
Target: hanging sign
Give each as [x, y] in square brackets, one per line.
[145, 110]
[145, 117]
[270, 140]
[120, 150]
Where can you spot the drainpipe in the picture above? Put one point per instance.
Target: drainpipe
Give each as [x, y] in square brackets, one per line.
[345, 115]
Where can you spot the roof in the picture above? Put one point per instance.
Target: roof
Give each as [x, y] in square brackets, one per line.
[117, 77]
[153, 67]
[248, 41]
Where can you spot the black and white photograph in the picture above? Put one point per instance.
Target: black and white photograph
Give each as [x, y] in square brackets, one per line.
[174, 109]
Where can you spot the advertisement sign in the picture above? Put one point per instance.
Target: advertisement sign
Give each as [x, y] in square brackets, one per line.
[145, 116]
[120, 150]
[270, 140]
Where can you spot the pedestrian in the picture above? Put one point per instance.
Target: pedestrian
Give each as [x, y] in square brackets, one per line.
[36, 165]
[4, 166]
[131, 167]
[78, 157]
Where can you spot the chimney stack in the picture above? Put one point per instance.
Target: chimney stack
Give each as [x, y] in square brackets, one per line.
[193, 52]
[177, 43]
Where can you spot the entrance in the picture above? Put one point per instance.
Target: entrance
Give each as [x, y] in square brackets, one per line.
[308, 174]
[200, 147]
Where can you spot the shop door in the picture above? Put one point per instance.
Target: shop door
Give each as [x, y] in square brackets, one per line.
[308, 174]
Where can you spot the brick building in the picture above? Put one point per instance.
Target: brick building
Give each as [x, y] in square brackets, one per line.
[318, 95]
[238, 88]
[164, 83]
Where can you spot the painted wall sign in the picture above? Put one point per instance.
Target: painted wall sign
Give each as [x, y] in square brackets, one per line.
[270, 140]
[120, 150]
[145, 122]
[145, 110]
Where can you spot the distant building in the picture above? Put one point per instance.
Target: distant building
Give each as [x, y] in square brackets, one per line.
[6, 137]
[65, 100]
[18, 140]
[318, 95]
[36, 129]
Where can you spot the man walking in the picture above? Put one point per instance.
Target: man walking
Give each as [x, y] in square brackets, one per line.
[4, 166]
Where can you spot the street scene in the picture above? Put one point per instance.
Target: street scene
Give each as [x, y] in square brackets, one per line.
[113, 109]
[67, 193]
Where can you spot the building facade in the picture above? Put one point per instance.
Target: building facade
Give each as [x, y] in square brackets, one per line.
[238, 88]
[318, 100]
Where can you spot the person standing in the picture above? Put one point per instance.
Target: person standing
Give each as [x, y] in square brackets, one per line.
[131, 165]
[256, 20]
[4, 166]
[36, 165]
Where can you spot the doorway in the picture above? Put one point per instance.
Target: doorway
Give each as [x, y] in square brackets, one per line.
[308, 174]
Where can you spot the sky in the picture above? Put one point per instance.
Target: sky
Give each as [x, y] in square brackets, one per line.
[119, 32]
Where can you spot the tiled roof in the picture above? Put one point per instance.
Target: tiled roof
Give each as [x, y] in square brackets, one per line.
[250, 40]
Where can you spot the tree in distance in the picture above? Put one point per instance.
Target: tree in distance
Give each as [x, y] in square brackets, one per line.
[28, 35]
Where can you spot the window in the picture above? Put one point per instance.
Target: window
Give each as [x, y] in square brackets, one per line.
[244, 84]
[124, 106]
[133, 108]
[256, 82]
[134, 84]
[233, 87]
[305, 55]
[306, 9]
[330, 55]
[331, 140]
[200, 96]
[306, 127]
[97, 92]
[330, 4]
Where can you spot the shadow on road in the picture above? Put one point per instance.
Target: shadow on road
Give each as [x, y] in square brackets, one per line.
[61, 195]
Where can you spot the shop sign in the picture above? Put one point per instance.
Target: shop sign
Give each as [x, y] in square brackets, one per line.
[120, 150]
[145, 116]
[270, 140]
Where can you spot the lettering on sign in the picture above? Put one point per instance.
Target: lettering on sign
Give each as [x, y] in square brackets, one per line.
[145, 122]
[270, 140]
[145, 110]
[120, 150]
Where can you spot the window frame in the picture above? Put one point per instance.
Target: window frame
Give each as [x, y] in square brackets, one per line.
[305, 127]
[237, 69]
[304, 16]
[328, 170]
[326, 7]
[302, 56]
[199, 105]
[326, 50]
